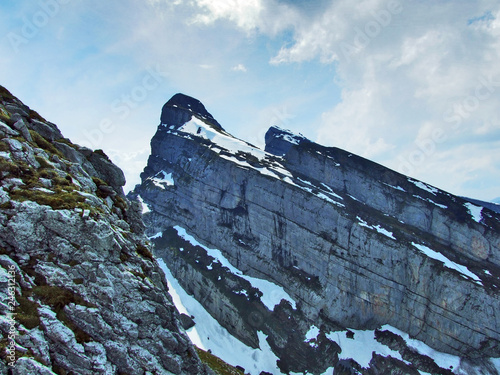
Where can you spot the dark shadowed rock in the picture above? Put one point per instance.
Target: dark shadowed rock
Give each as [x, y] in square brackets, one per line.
[280, 141]
[187, 322]
[180, 108]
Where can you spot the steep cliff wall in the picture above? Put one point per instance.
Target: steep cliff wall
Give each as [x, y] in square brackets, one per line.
[355, 244]
[80, 290]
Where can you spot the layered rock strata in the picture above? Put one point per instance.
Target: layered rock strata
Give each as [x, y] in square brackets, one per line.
[355, 244]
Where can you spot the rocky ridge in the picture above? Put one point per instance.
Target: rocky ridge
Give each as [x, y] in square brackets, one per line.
[356, 246]
[80, 290]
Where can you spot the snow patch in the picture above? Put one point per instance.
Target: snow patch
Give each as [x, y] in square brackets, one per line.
[442, 359]
[378, 228]
[328, 199]
[200, 129]
[157, 235]
[395, 187]
[448, 263]
[431, 201]
[209, 334]
[496, 363]
[236, 146]
[322, 195]
[475, 211]
[145, 207]
[162, 179]
[421, 185]
[272, 294]
[289, 138]
[361, 346]
[311, 336]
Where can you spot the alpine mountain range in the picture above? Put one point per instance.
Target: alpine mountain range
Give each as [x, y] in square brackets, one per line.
[295, 259]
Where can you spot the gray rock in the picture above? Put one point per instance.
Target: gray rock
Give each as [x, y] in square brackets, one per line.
[14, 108]
[46, 129]
[92, 299]
[107, 171]
[187, 321]
[340, 233]
[7, 131]
[30, 366]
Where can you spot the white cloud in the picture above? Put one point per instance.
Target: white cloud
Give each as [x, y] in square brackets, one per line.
[251, 16]
[419, 69]
[239, 68]
[406, 69]
[245, 13]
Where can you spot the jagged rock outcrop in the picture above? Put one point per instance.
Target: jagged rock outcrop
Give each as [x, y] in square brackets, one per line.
[80, 290]
[355, 244]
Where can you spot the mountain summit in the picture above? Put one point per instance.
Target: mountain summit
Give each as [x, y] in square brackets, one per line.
[180, 108]
[318, 257]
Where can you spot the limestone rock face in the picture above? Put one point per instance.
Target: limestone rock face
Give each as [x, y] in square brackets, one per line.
[80, 290]
[354, 244]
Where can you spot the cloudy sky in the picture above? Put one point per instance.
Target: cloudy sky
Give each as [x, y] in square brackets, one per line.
[413, 85]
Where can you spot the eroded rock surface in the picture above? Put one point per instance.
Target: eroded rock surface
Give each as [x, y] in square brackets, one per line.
[355, 244]
[80, 292]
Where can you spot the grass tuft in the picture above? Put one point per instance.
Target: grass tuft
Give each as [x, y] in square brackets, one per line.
[6, 95]
[27, 312]
[42, 143]
[144, 252]
[216, 364]
[34, 115]
[61, 200]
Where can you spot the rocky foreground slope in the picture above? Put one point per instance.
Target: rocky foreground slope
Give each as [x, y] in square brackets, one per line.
[349, 250]
[80, 292]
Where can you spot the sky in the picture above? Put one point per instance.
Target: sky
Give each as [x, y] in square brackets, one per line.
[412, 85]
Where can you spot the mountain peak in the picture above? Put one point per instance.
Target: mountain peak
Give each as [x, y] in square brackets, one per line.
[307, 221]
[181, 108]
[279, 141]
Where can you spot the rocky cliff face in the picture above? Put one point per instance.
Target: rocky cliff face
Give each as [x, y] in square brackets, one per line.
[80, 290]
[346, 246]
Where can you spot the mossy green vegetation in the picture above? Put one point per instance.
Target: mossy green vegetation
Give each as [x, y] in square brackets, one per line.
[58, 297]
[42, 143]
[9, 167]
[5, 94]
[34, 115]
[81, 336]
[27, 312]
[67, 142]
[4, 343]
[103, 154]
[59, 200]
[144, 252]
[63, 193]
[54, 296]
[4, 147]
[216, 364]
[43, 162]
